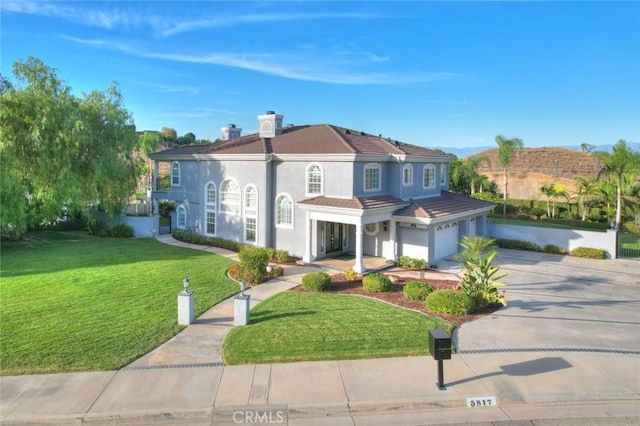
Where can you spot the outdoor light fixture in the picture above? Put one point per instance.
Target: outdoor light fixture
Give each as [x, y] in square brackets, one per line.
[185, 283]
[269, 269]
[243, 285]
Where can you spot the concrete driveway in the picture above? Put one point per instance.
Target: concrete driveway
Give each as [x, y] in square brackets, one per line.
[561, 303]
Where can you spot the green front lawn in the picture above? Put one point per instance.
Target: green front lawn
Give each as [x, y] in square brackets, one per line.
[74, 302]
[297, 326]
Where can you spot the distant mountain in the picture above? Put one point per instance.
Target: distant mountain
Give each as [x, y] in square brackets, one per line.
[468, 151]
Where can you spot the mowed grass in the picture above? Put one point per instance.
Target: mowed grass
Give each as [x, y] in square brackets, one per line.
[296, 326]
[74, 302]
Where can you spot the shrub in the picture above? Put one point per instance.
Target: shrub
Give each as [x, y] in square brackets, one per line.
[97, 228]
[376, 283]
[282, 256]
[589, 252]
[411, 263]
[276, 271]
[254, 262]
[449, 302]
[517, 244]
[415, 290]
[350, 275]
[316, 281]
[550, 248]
[121, 231]
[235, 272]
[193, 238]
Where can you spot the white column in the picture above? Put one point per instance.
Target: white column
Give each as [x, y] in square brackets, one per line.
[359, 266]
[392, 239]
[307, 243]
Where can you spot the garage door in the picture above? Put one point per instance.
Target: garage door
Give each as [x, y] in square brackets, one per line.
[446, 242]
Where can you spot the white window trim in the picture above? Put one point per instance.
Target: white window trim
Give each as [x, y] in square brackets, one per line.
[175, 163]
[234, 209]
[424, 173]
[371, 166]
[307, 180]
[210, 208]
[250, 213]
[178, 211]
[279, 225]
[410, 168]
[443, 174]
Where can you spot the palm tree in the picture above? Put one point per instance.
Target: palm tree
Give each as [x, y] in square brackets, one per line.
[507, 149]
[473, 247]
[617, 164]
[471, 165]
[547, 189]
[558, 190]
[585, 192]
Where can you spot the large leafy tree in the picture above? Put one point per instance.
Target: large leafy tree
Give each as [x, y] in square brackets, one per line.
[60, 151]
[507, 149]
[619, 165]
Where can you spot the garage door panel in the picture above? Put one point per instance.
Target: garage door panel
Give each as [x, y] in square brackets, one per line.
[446, 240]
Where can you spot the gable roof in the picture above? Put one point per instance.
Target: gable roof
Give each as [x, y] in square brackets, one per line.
[308, 139]
[446, 205]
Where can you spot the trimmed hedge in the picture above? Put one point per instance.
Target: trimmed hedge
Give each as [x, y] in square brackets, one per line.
[550, 248]
[449, 302]
[592, 253]
[193, 238]
[316, 281]
[376, 283]
[411, 263]
[121, 231]
[415, 290]
[517, 244]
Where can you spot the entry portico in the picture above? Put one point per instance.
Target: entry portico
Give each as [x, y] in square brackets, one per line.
[360, 217]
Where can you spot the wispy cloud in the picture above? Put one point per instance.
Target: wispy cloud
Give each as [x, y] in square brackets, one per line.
[122, 15]
[326, 69]
[234, 20]
[108, 18]
[189, 90]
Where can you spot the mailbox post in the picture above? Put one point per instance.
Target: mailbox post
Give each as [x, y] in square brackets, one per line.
[440, 348]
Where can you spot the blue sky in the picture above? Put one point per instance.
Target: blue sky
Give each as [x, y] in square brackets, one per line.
[447, 74]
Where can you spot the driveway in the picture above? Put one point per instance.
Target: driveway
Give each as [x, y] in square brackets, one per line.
[560, 303]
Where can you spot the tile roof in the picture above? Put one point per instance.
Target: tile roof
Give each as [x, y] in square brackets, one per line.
[437, 207]
[308, 139]
[357, 203]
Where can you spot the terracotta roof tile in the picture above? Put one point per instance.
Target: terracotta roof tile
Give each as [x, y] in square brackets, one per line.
[357, 203]
[309, 139]
[436, 207]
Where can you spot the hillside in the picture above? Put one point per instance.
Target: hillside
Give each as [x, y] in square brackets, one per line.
[533, 167]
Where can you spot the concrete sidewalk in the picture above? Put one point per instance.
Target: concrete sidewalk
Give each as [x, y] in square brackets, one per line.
[185, 382]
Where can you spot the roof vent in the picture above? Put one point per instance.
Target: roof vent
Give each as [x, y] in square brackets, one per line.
[230, 132]
[361, 133]
[347, 132]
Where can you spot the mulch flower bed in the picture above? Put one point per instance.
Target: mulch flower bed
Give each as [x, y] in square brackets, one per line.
[340, 285]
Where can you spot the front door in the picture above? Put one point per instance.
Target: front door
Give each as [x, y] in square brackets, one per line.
[333, 237]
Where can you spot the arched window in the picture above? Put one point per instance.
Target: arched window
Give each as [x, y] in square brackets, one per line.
[407, 175]
[429, 176]
[372, 180]
[175, 174]
[181, 217]
[284, 211]
[229, 197]
[314, 180]
[210, 198]
[251, 214]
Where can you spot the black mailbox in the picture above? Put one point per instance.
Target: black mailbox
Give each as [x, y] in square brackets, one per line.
[440, 344]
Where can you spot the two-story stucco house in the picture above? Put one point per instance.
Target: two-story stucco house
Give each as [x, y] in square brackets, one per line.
[320, 190]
